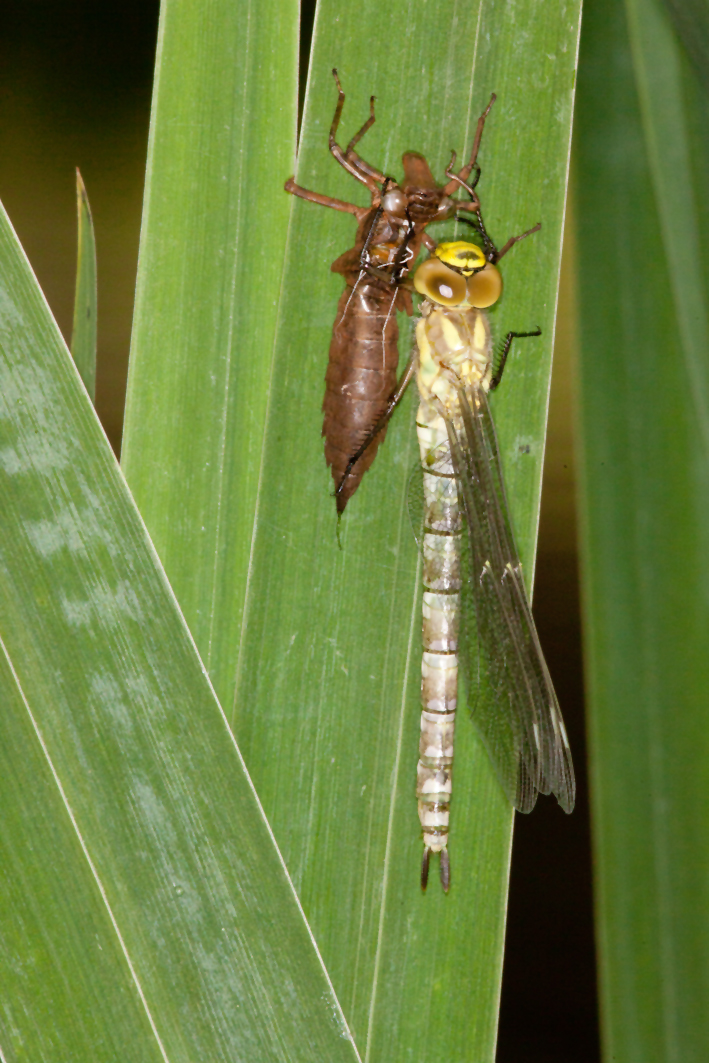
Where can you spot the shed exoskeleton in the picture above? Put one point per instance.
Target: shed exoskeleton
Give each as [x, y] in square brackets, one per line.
[361, 379]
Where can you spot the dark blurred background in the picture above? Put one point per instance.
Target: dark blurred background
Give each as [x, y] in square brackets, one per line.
[75, 83]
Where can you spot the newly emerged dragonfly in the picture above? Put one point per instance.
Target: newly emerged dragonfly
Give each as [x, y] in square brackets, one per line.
[361, 379]
[475, 605]
[470, 560]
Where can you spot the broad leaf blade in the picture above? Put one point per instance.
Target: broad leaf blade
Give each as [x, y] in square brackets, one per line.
[144, 812]
[326, 669]
[65, 989]
[690, 19]
[215, 220]
[83, 333]
[644, 300]
[332, 653]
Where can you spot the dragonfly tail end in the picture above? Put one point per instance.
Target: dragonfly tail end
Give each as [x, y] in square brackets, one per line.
[424, 867]
[445, 870]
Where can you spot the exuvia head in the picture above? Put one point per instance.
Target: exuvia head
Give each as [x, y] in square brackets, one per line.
[426, 201]
[458, 274]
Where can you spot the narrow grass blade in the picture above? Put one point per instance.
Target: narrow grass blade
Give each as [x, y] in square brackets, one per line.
[146, 913]
[215, 221]
[644, 383]
[83, 333]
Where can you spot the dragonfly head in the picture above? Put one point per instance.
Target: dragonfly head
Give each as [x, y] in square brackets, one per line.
[458, 274]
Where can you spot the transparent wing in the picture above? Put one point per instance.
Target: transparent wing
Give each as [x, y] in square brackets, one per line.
[415, 504]
[516, 711]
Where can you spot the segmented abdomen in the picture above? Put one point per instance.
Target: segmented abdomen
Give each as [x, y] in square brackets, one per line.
[454, 352]
[441, 606]
[360, 379]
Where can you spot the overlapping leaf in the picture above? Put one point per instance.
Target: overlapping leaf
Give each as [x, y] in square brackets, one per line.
[644, 298]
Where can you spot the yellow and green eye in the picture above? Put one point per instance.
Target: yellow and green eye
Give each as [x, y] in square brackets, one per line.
[484, 287]
[439, 283]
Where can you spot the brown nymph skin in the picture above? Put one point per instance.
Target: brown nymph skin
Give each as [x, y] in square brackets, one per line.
[361, 378]
[364, 355]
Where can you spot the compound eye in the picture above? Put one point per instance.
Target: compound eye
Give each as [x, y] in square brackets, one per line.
[439, 283]
[485, 287]
[395, 202]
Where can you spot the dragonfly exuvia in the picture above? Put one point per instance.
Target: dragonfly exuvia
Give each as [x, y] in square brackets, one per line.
[360, 383]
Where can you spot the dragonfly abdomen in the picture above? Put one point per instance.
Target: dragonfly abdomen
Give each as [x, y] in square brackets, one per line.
[439, 667]
[451, 346]
[360, 379]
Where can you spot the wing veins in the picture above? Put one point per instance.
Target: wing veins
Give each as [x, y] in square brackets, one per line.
[505, 624]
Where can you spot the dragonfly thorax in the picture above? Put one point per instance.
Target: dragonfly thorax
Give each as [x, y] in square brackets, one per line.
[455, 351]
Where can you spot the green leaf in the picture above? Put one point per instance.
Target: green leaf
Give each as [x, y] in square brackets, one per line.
[83, 333]
[324, 678]
[690, 19]
[145, 913]
[644, 384]
[215, 222]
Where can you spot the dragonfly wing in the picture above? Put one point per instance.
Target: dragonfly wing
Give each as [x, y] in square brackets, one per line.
[415, 504]
[518, 715]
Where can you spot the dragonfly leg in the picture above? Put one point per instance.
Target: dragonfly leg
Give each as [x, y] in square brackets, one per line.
[364, 257]
[516, 239]
[394, 401]
[351, 154]
[465, 172]
[493, 255]
[477, 223]
[466, 204]
[497, 375]
[325, 201]
[343, 157]
[474, 202]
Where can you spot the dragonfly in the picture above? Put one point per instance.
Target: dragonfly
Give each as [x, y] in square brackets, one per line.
[361, 381]
[474, 598]
[476, 611]
[475, 604]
